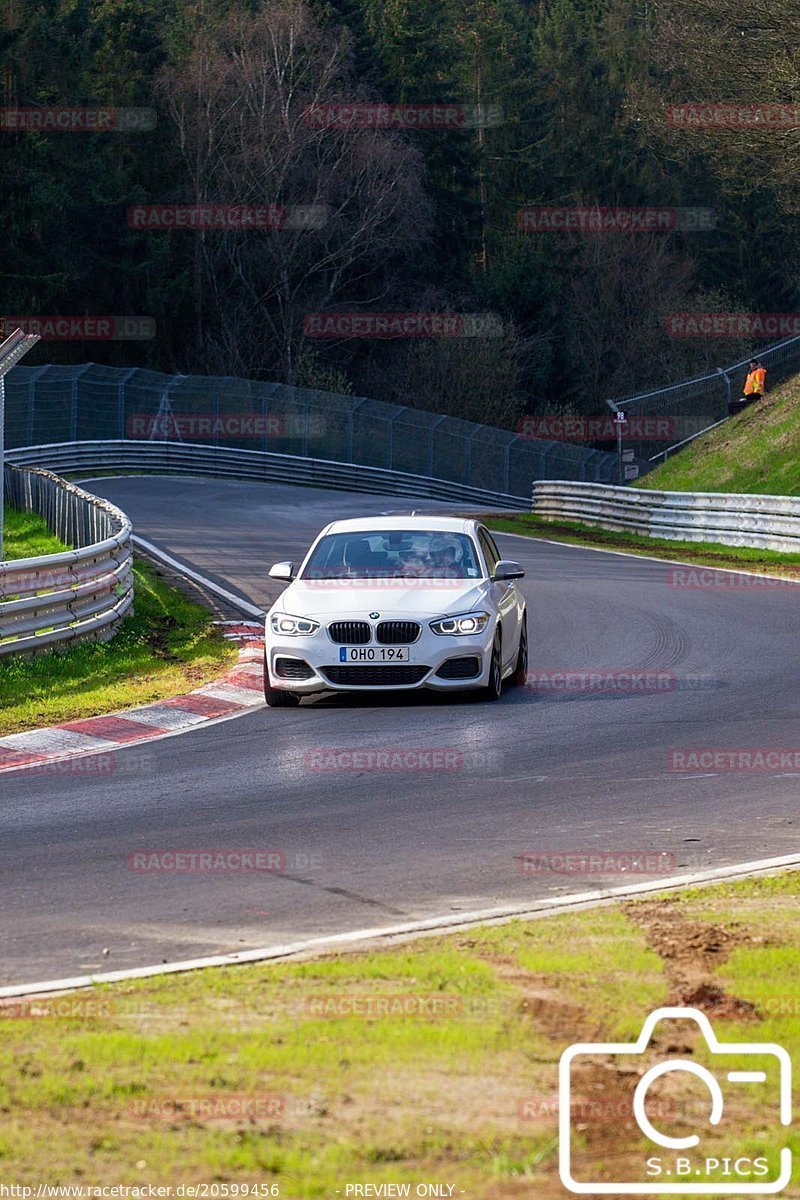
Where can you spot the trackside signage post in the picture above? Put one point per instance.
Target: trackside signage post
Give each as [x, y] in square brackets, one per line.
[619, 422]
[11, 351]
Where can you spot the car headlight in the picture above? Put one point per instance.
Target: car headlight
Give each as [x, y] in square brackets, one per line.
[288, 626]
[464, 624]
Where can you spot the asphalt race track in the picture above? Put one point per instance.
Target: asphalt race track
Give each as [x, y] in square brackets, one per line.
[542, 771]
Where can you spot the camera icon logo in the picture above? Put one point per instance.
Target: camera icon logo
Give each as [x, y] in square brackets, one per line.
[673, 1163]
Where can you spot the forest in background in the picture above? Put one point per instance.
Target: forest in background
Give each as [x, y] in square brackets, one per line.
[573, 94]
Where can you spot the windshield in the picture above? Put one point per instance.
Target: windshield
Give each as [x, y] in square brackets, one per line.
[394, 554]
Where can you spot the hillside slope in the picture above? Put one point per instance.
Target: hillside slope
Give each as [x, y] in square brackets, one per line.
[756, 451]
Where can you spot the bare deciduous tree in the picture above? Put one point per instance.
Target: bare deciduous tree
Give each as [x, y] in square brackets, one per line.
[354, 205]
[474, 378]
[743, 52]
[624, 287]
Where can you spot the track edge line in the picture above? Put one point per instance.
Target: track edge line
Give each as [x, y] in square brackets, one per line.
[410, 930]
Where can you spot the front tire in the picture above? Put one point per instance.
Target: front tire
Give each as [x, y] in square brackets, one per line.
[277, 697]
[494, 688]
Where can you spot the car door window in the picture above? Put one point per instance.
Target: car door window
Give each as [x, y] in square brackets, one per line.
[493, 545]
[490, 552]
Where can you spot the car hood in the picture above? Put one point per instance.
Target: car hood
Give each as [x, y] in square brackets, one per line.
[399, 598]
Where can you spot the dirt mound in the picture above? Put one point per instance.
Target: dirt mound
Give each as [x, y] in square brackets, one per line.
[691, 952]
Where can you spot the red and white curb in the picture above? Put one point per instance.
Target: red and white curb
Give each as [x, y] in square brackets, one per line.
[234, 693]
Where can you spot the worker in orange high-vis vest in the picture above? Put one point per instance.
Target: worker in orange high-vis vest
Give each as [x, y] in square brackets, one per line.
[755, 385]
[756, 381]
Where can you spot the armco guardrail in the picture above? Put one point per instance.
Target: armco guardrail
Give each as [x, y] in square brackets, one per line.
[763, 522]
[81, 594]
[187, 459]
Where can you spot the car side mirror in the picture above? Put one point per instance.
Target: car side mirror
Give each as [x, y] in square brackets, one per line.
[507, 569]
[282, 570]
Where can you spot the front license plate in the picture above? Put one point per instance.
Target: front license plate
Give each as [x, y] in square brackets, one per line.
[368, 654]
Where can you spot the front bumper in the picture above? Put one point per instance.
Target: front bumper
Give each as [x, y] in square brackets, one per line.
[427, 655]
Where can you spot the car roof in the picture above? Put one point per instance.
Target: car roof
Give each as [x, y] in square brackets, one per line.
[431, 521]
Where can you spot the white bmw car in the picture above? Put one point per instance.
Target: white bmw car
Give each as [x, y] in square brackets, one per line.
[396, 603]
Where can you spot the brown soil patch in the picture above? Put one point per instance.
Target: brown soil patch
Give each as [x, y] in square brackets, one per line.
[547, 1008]
[691, 952]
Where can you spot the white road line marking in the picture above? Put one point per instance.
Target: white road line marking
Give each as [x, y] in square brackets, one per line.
[244, 605]
[410, 929]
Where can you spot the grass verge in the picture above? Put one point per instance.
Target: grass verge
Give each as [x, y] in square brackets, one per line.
[710, 554]
[169, 645]
[352, 1077]
[26, 535]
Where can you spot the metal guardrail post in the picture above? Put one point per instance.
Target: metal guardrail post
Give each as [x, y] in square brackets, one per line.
[266, 396]
[390, 445]
[30, 421]
[165, 412]
[73, 411]
[727, 379]
[470, 436]
[351, 428]
[225, 379]
[543, 453]
[507, 462]
[121, 400]
[431, 448]
[11, 351]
